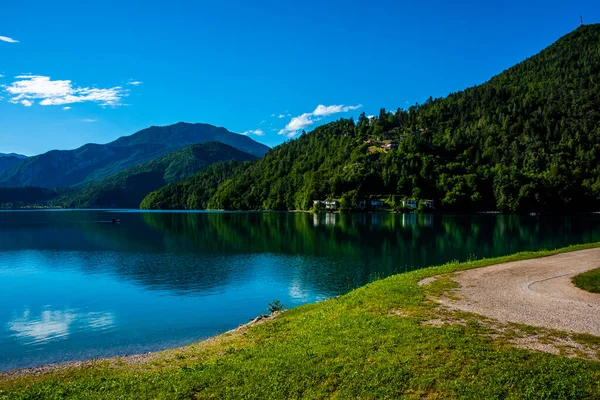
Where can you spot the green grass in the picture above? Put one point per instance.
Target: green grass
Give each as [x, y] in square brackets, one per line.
[368, 344]
[589, 281]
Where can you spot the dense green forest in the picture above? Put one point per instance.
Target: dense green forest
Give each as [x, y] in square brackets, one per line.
[195, 192]
[528, 139]
[127, 188]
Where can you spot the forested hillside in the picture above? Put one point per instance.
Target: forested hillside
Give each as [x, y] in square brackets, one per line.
[529, 139]
[126, 189]
[194, 192]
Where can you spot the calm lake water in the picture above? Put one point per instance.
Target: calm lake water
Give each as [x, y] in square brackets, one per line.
[75, 286]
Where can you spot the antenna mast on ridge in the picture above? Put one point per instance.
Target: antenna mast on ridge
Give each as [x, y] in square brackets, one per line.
[581, 20]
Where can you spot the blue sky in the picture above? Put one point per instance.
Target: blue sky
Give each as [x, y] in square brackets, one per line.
[74, 72]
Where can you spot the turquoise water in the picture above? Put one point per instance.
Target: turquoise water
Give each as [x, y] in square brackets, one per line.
[75, 286]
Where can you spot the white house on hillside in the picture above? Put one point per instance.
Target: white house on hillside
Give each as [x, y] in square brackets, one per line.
[376, 203]
[410, 203]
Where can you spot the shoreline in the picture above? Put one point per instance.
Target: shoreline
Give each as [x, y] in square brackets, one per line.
[382, 211]
[128, 359]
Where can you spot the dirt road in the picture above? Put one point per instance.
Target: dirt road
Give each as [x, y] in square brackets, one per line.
[535, 292]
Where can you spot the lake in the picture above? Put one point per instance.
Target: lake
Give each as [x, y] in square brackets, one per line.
[76, 286]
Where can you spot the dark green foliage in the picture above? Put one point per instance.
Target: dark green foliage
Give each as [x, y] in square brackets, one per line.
[348, 201]
[276, 306]
[126, 189]
[94, 162]
[194, 192]
[529, 139]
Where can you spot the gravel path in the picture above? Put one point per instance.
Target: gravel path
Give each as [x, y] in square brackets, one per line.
[536, 292]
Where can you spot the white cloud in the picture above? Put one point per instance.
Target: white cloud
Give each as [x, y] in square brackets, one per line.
[27, 103]
[257, 132]
[1, 76]
[66, 108]
[335, 109]
[88, 120]
[307, 119]
[7, 39]
[60, 92]
[300, 122]
[134, 83]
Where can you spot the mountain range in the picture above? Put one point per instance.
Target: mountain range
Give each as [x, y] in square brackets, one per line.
[127, 188]
[94, 162]
[526, 140]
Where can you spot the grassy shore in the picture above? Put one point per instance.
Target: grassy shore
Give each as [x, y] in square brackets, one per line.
[589, 281]
[374, 342]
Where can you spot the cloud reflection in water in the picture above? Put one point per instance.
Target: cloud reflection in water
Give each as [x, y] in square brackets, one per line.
[54, 325]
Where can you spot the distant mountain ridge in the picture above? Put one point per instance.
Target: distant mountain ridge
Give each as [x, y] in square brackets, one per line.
[93, 162]
[127, 188]
[21, 156]
[8, 161]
